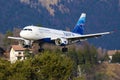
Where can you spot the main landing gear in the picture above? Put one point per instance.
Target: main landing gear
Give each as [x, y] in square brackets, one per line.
[41, 49]
[64, 49]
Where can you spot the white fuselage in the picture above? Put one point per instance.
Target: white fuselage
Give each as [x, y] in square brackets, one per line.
[37, 33]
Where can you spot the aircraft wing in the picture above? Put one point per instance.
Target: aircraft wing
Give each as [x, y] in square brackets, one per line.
[16, 38]
[84, 37]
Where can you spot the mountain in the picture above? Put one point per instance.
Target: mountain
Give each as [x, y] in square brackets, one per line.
[102, 15]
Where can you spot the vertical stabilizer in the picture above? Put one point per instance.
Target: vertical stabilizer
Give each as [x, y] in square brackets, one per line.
[79, 27]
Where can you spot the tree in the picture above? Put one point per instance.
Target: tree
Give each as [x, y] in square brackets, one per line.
[7, 42]
[27, 53]
[87, 58]
[1, 39]
[4, 67]
[116, 57]
[45, 66]
[52, 66]
[21, 70]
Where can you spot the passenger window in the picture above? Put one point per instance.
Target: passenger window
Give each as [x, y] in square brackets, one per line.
[24, 29]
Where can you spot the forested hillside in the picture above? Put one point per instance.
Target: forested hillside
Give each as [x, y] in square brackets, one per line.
[79, 63]
[102, 15]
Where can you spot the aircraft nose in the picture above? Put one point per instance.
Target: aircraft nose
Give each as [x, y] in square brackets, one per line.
[26, 34]
[21, 34]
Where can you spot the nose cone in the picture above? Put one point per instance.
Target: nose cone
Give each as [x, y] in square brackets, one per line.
[26, 34]
[21, 34]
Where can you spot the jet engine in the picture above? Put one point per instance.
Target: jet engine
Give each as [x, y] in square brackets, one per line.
[61, 42]
[25, 43]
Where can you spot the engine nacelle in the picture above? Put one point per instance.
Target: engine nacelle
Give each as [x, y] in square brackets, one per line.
[61, 42]
[25, 43]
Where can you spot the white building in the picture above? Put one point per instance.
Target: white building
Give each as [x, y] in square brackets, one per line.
[17, 53]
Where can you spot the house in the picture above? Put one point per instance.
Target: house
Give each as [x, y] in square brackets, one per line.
[17, 53]
[111, 53]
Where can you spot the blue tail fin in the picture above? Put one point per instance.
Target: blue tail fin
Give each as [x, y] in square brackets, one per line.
[79, 27]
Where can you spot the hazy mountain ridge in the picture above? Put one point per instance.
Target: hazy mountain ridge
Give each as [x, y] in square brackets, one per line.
[102, 15]
[48, 4]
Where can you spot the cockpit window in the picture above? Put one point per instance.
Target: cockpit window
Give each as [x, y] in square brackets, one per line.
[24, 29]
[27, 29]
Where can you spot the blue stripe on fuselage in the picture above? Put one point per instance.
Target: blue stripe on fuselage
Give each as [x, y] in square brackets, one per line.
[46, 39]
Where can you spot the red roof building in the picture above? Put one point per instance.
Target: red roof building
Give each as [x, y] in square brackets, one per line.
[17, 53]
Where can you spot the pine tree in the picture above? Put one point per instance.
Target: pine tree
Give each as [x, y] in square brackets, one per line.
[116, 57]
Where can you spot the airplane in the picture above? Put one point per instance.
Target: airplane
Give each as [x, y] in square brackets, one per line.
[31, 34]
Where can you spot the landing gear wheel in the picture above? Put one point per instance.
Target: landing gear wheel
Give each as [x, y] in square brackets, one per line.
[64, 49]
[41, 50]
